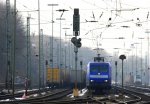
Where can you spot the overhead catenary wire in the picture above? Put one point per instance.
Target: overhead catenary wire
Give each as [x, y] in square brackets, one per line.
[95, 7]
[25, 6]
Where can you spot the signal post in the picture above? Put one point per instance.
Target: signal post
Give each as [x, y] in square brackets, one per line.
[77, 44]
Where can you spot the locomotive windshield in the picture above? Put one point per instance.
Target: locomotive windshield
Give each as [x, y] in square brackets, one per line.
[98, 68]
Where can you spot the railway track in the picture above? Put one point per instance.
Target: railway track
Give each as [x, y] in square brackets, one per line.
[129, 96]
[135, 97]
[9, 96]
[138, 96]
[55, 98]
[140, 89]
[42, 99]
[88, 100]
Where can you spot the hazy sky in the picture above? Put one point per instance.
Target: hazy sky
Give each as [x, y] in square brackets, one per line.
[126, 18]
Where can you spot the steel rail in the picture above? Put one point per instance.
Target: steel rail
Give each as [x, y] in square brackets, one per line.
[41, 99]
[20, 94]
[139, 96]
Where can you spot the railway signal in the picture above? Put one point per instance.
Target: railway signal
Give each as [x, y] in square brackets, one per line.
[81, 63]
[76, 21]
[122, 57]
[73, 40]
[116, 76]
[76, 42]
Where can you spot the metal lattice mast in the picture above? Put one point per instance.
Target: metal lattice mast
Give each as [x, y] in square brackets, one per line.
[13, 49]
[42, 54]
[39, 45]
[30, 76]
[28, 73]
[51, 50]
[69, 60]
[9, 42]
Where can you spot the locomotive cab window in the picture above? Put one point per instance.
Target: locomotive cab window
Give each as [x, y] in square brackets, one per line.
[98, 68]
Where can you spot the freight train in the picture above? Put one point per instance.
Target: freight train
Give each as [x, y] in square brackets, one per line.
[65, 78]
[98, 76]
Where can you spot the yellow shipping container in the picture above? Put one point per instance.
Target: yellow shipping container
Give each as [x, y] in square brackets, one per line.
[55, 75]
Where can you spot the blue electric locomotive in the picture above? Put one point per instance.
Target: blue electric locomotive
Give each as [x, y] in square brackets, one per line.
[98, 76]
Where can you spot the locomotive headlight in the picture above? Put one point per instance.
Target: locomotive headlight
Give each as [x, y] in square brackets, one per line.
[105, 80]
[92, 80]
